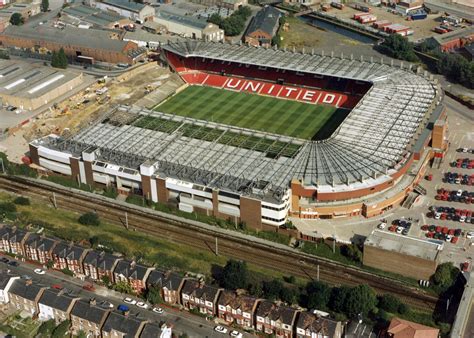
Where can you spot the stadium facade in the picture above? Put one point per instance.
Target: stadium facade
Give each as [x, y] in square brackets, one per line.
[369, 163]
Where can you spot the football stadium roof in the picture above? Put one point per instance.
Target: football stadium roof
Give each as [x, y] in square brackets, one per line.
[373, 142]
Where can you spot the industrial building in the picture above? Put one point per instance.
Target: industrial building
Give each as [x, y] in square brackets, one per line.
[228, 4]
[26, 10]
[87, 17]
[367, 166]
[29, 87]
[100, 45]
[135, 11]
[263, 27]
[452, 40]
[407, 256]
[189, 27]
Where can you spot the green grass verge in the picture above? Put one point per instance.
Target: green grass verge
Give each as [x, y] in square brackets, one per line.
[252, 111]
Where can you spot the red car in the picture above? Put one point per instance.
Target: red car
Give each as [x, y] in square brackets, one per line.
[424, 227]
[88, 287]
[445, 230]
[465, 266]
[430, 234]
[451, 232]
[454, 240]
[438, 229]
[57, 286]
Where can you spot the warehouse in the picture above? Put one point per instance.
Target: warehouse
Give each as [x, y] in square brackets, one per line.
[84, 15]
[29, 87]
[97, 44]
[407, 256]
[452, 40]
[190, 27]
[132, 10]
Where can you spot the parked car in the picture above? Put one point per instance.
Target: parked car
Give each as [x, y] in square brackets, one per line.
[39, 271]
[13, 263]
[235, 333]
[123, 308]
[88, 287]
[220, 329]
[129, 300]
[158, 310]
[142, 305]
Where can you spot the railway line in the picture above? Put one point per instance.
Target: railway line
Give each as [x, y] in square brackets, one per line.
[202, 237]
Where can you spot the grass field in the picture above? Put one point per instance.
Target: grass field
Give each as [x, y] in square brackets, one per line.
[254, 111]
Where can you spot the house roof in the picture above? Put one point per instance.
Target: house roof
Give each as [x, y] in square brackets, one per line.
[69, 251]
[265, 20]
[100, 259]
[26, 289]
[92, 313]
[235, 301]
[71, 36]
[200, 290]
[14, 234]
[151, 331]
[401, 328]
[40, 242]
[129, 326]
[167, 279]
[57, 299]
[4, 279]
[470, 49]
[268, 309]
[454, 35]
[131, 270]
[315, 324]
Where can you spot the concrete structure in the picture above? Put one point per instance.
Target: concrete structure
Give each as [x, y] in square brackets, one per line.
[407, 256]
[263, 27]
[189, 27]
[98, 44]
[452, 40]
[132, 10]
[29, 86]
[463, 325]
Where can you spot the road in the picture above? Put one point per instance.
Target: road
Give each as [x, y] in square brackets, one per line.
[182, 321]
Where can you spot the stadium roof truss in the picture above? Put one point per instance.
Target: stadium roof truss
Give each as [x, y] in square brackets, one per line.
[368, 145]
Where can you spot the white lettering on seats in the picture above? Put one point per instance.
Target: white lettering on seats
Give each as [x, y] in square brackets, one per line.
[308, 95]
[289, 91]
[230, 85]
[254, 87]
[329, 98]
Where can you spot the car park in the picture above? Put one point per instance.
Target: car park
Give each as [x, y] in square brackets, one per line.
[129, 300]
[142, 305]
[220, 329]
[39, 271]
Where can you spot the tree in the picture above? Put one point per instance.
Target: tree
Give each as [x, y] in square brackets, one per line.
[47, 328]
[445, 275]
[389, 303]
[216, 19]
[81, 334]
[123, 287]
[398, 47]
[338, 298]
[289, 295]
[61, 330]
[361, 299]
[94, 241]
[21, 200]
[319, 295]
[403, 308]
[89, 218]
[16, 19]
[59, 59]
[44, 5]
[153, 295]
[106, 280]
[234, 275]
[255, 289]
[272, 289]
[352, 252]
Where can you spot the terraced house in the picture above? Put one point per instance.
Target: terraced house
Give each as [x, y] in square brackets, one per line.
[275, 320]
[118, 325]
[197, 295]
[88, 317]
[235, 308]
[6, 282]
[310, 325]
[170, 284]
[24, 296]
[56, 304]
[132, 273]
[99, 265]
[69, 256]
[13, 240]
[39, 248]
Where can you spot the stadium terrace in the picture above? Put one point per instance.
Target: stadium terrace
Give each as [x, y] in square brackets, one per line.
[256, 135]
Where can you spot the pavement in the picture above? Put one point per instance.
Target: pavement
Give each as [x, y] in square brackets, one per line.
[460, 134]
[182, 321]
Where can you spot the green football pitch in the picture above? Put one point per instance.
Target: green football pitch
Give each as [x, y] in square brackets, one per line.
[254, 111]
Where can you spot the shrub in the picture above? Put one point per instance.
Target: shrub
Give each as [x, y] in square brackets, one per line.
[389, 303]
[89, 218]
[403, 309]
[22, 200]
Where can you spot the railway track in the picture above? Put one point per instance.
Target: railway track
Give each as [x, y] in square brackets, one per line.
[232, 245]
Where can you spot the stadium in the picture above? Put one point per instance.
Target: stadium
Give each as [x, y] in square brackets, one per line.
[256, 135]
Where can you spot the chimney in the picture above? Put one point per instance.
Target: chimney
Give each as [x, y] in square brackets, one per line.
[92, 302]
[126, 313]
[132, 264]
[28, 282]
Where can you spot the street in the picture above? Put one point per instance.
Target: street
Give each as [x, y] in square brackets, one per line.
[182, 321]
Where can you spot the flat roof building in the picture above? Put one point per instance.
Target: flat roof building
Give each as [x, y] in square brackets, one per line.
[132, 10]
[408, 256]
[190, 27]
[452, 40]
[80, 15]
[98, 44]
